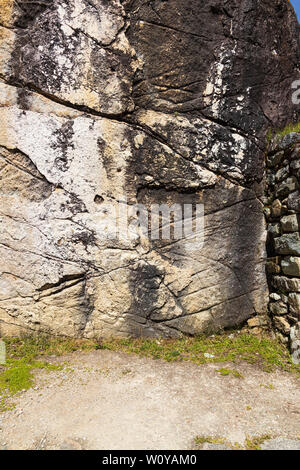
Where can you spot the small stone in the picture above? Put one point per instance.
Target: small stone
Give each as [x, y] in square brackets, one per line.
[266, 200]
[282, 325]
[275, 159]
[290, 223]
[295, 165]
[281, 338]
[257, 322]
[257, 331]
[286, 284]
[288, 140]
[253, 322]
[276, 208]
[295, 343]
[272, 268]
[279, 308]
[275, 297]
[274, 230]
[282, 173]
[294, 201]
[294, 304]
[291, 183]
[287, 187]
[288, 244]
[267, 212]
[209, 356]
[280, 143]
[295, 155]
[291, 266]
[271, 180]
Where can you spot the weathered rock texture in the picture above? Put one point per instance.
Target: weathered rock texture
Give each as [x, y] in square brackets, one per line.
[283, 217]
[146, 102]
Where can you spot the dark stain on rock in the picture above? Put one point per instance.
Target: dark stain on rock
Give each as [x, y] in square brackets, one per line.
[144, 283]
[106, 158]
[98, 199]
[73, 204]
[87, 238]
[23, 98]
[161, 197]
[180, 44]
[30, 10]
[63, 137]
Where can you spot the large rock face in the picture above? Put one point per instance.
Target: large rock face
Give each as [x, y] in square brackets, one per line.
[109, 104]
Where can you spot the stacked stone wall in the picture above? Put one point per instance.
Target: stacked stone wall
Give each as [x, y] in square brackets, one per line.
[283, 242]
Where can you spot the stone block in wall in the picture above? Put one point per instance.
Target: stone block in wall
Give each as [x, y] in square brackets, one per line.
[275, 159]
[291, 266]
[295, 154]
[287, 186]
[257, 322]
[272, 268]
[274, 230]
[295, 343]
[283, 143]
[283, 201]
[294, 201]
[288, 244]
[282, 325]
[295, 165]
[286, 284]
[275, 296]
[276, 208]
[282, 173]
[294, 304]
[279, 308]
[289, 223]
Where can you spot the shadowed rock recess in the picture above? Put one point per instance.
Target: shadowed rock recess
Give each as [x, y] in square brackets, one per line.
[144, 102]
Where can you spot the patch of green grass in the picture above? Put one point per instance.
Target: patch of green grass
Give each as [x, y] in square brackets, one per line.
[268, 386]
[289, 128]
[254, 443]
[200, 440]
[265, 352]
[226, 372]
[24, 355]
[280, 133]
[30, 347]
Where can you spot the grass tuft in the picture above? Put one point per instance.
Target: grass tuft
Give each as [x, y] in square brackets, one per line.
[200, 440]
[24, 355]
[280, 133]
[254, 443]
[226, 372]
[289, 128]
[265, 352]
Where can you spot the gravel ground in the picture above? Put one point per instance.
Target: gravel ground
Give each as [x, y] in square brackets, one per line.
[109, 400]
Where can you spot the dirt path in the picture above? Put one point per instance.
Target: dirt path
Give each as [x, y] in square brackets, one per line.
[109, 400]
